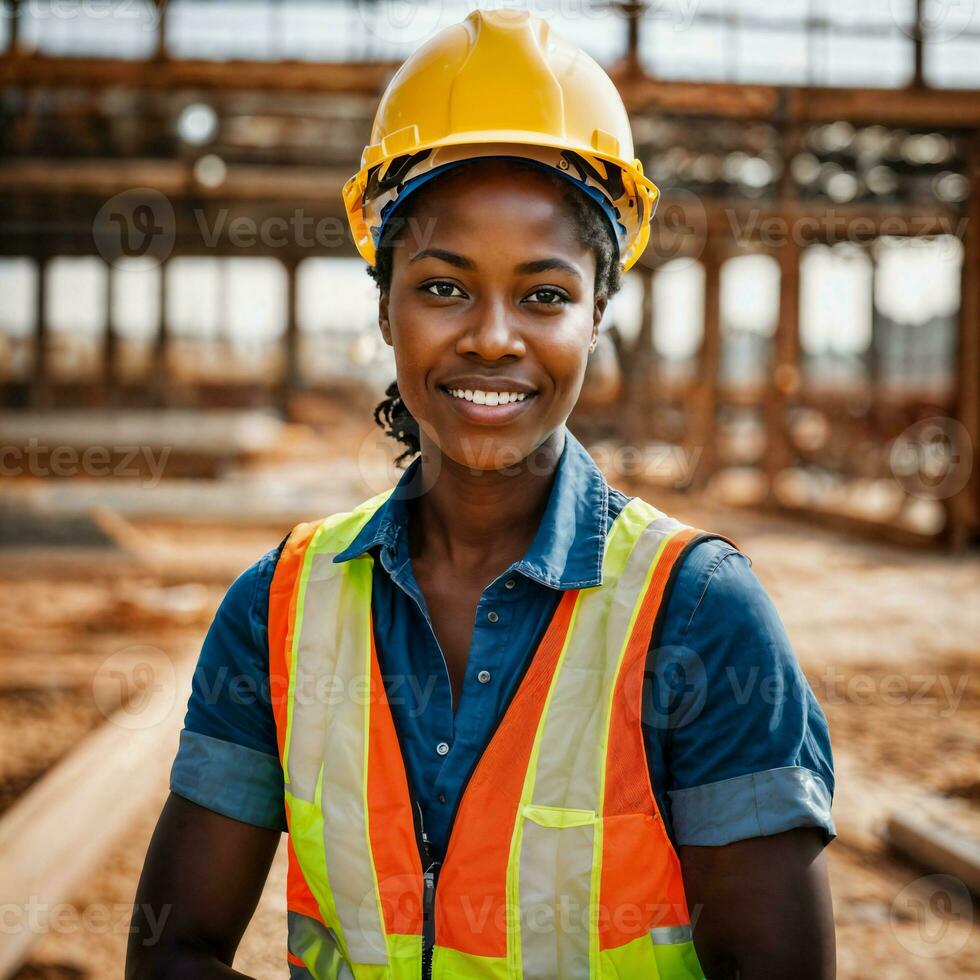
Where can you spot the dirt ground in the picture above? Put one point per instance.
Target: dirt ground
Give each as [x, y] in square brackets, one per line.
[889, 640]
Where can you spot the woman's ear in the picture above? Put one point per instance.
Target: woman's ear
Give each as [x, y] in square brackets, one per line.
[383, 319]
[597, 312]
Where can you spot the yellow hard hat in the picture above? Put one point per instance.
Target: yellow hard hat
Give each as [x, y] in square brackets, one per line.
[501, 83]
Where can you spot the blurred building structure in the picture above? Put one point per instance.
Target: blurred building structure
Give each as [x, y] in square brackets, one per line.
[805, 322]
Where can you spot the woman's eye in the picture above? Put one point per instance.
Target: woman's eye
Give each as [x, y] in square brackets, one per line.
[552, 297]
[448, 286]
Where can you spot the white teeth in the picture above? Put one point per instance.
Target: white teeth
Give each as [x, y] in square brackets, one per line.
[488, 397]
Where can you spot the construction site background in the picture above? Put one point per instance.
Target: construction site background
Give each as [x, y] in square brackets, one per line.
[190, 362]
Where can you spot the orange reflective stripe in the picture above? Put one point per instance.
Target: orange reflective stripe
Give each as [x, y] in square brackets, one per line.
[282, 616]
[471, 896]
[633, 834]
[391, 825]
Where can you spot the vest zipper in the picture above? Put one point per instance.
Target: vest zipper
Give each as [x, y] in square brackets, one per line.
[428, 919]
[431, 868]
[429, 873]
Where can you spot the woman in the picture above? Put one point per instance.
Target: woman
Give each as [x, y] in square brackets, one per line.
[515, 722]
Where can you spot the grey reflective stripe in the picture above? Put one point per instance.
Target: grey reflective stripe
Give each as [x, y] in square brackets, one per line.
[555, 879]
[671, 935]
[304, 756]
[317, 947]
[555, 886]
[570, 761]
[330, 722]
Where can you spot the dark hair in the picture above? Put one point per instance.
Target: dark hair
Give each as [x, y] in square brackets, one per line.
[593, 230]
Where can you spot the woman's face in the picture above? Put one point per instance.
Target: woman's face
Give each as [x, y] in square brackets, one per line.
[491, 291]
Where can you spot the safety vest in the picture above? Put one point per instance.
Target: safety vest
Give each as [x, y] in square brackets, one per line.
[558, 864]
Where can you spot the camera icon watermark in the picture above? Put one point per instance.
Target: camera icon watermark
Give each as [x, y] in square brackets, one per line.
[940, 912]
[942, 20]
[136, 687]
[933, 458]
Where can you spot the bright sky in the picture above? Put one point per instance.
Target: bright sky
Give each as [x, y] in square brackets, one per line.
[729, 45]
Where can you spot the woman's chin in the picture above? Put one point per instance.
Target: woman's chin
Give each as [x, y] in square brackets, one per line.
[487, 451]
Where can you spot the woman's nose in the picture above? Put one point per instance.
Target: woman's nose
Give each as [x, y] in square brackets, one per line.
[492, 333]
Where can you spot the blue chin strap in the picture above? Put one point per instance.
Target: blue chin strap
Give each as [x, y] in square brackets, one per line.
[619, 232]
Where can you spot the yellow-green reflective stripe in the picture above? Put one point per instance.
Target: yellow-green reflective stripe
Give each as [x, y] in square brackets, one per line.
[554, 816]
[405, 954]
[641, 958]
[451, 964]
[678, 962]
[316, 946]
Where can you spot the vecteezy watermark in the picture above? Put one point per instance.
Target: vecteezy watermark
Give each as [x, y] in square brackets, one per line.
[401, 21]
[136, 687]
[100, 918]
[933, 458]
[38, 459]
[939, 909]
[138, 223]
[942, 20]
[147, 14]
[569, 912]
[662, 462]
[943, 691]
[832, 227]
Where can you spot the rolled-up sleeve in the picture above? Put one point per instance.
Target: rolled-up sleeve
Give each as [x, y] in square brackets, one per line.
[739, 744]
[227, 759]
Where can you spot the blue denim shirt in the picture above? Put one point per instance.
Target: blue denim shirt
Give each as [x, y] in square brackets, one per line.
[737, 744]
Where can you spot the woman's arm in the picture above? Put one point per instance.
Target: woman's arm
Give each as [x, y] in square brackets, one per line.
[761, 907]
[201, 881]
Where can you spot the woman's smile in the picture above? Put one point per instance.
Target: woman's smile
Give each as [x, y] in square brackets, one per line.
[488, 405]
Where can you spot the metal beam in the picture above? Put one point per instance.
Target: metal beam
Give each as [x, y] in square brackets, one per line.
[924, 107]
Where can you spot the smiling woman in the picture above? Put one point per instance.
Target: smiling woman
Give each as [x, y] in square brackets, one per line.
[491, 224]
[503, 717]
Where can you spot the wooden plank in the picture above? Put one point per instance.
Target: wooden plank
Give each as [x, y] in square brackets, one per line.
[934, 839]
[59, 831]
[347, 77]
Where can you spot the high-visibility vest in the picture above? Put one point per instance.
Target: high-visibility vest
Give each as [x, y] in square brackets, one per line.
[558, 864]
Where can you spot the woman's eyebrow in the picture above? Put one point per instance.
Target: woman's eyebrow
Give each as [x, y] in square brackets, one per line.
[543, 265]
[460, 261]
[525, 268]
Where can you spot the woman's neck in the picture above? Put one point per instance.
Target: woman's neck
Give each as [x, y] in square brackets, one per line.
[468, 520]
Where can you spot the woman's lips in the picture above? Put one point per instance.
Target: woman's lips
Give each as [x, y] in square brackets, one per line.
[489, 414]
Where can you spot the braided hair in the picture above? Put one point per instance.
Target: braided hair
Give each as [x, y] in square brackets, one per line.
[392, 415]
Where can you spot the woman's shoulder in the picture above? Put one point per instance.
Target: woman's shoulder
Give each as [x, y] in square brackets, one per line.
[702, 556]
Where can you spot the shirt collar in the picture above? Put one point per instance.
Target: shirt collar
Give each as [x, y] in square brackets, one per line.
[568, 548]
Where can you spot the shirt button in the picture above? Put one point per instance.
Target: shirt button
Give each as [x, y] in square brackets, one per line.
[509, 584]
[442, 797]
[442, 748]
[483, 676]
[492, 616]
